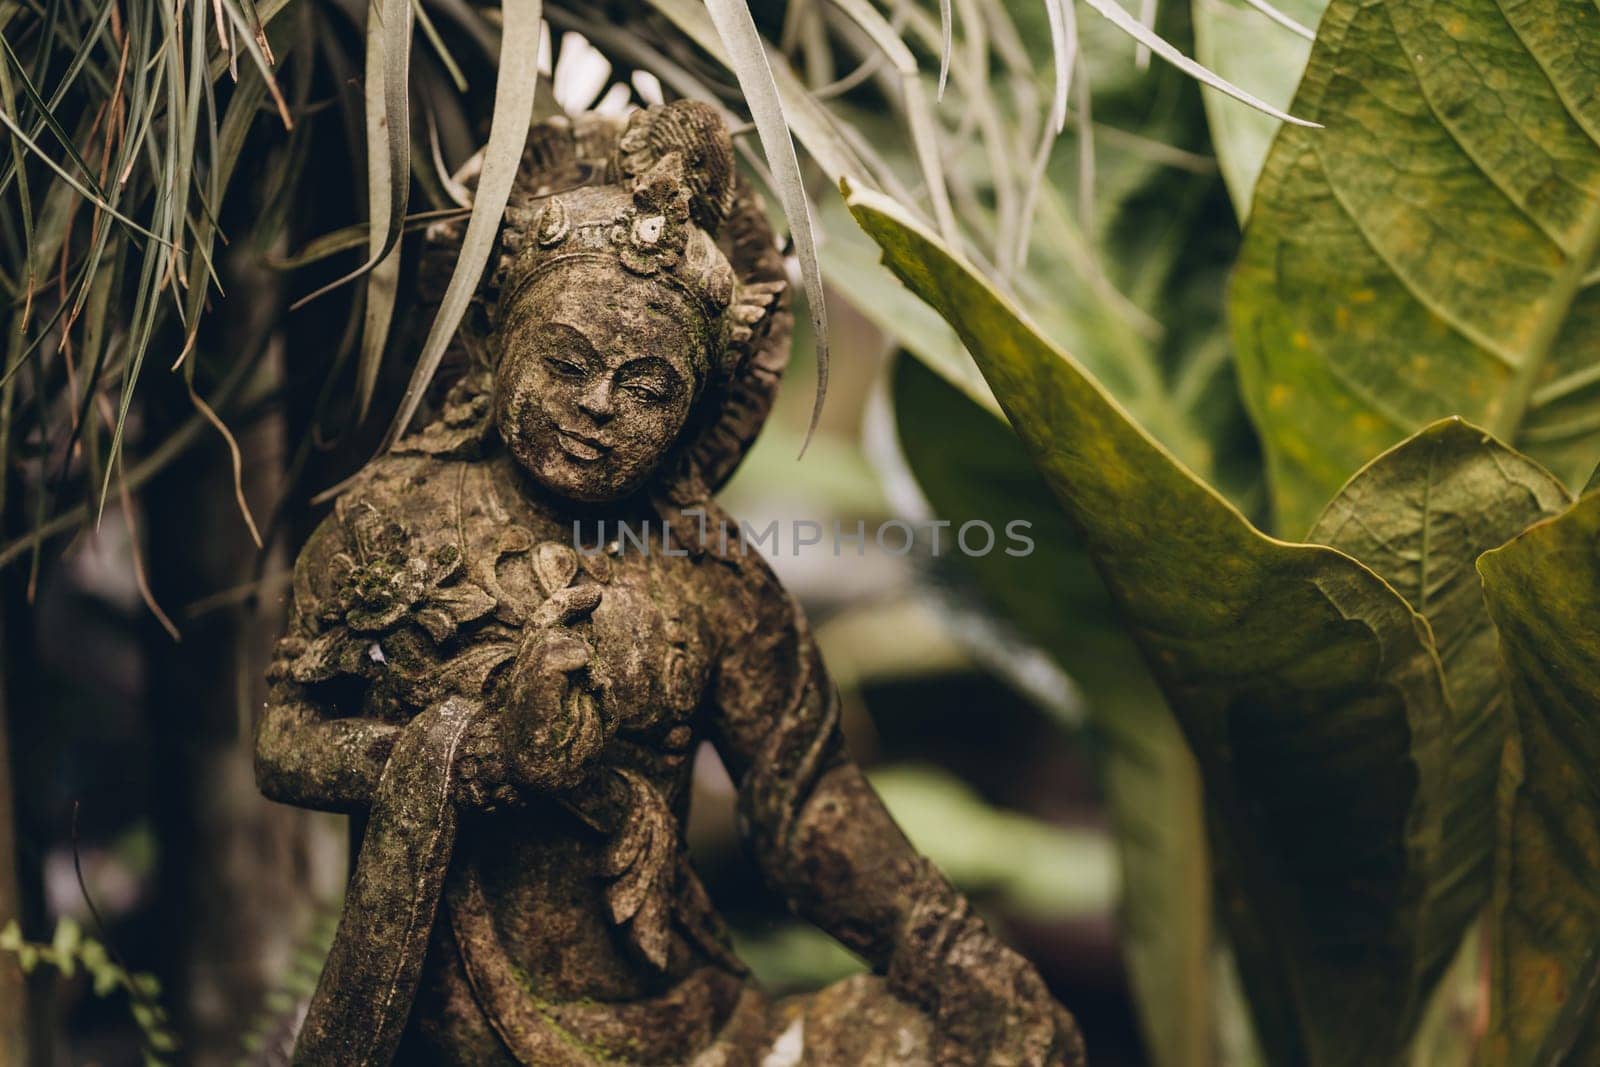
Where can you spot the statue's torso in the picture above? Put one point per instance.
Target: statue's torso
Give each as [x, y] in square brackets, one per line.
[585, 896]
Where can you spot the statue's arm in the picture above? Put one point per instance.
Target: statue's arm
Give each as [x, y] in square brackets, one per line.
[306, 752]
[815, 826]
[824, 839]
[307, 758]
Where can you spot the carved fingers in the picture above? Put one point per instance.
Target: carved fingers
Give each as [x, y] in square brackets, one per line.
[481, 780]
[553, 704]
[993, 1008]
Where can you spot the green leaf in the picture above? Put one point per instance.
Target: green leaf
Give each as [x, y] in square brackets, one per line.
[68, 937]
[1428, 253]
[1308, 689]
[516, 85]
[387, 93]
[387, 196]
[1237, 40]
[1420, 515]
[971, 467]
[1543, 591]
[747, 58]
[1119, 17]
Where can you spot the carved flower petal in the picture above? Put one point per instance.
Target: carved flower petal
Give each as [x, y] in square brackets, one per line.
[555, 564]
[464, 601]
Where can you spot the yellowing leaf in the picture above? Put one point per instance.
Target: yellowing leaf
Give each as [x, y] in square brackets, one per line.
[1308, 689]
[1428, 253]
[1543, 590]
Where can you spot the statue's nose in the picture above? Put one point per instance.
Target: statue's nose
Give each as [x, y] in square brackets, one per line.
[595, 401]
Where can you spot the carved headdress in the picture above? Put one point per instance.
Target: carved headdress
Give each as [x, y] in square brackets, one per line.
[659, 195]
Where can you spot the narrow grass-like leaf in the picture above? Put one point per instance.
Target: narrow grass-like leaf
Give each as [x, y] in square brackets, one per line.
[1064, 42]
[1289, 23]
[440, 49]
[253, 35]
[1230, 39]
[947, 20]
[383, 252]
[8, 103]
[1147, 17]
[516, 84]
[1125, 22]
[354, 236]
[83, 190]
[748, 60]
[919, 116]
[68, 80]
[1064, 48]
[824, 141]
[388, 99]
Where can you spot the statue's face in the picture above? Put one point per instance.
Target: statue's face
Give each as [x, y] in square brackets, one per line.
[596, 379]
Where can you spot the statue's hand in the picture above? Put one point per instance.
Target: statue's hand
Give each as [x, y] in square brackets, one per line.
[988, 1004]
[544, 729]
[994, 1009]
[482, 778]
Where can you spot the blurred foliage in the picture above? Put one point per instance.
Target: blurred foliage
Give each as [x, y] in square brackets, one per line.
[70, 951]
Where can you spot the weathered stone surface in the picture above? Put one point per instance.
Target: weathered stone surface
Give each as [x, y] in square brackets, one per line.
[515, 710]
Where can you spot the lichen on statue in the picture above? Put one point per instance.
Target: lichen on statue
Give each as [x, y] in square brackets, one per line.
[516, 721]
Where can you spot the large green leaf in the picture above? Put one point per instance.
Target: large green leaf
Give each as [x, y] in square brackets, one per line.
[1543, 590]
[1428, 253]
[972, 468]
[1308, 689]
[1420, 515]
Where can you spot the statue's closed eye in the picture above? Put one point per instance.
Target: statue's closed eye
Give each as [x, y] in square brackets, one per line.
[646, 391]
[564, 367]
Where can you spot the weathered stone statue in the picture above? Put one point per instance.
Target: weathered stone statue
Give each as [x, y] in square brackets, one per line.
[513, 713]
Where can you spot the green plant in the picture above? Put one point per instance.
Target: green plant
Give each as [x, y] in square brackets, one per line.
[69, 951]
[1393, 720]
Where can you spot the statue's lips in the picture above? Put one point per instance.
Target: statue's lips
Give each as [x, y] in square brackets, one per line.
[581, 446]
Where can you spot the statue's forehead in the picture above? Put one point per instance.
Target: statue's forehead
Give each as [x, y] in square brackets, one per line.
[607, 299]
[604, 305]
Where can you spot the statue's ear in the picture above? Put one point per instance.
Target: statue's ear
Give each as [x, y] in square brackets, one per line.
[695, 132]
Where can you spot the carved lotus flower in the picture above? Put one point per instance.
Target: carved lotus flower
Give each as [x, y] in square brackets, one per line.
[381, 587]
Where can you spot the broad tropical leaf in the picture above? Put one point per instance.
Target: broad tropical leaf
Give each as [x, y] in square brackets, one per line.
[1162, 239]
[1429, 253]
[1543, 590]
[1308, 689]
[971, 467]
[1420, 515]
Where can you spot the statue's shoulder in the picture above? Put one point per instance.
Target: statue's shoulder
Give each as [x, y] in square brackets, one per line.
[385, 593]
[398, 515]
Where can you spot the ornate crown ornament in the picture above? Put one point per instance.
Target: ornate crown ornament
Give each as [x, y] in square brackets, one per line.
[659, 195]
[658, 210]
